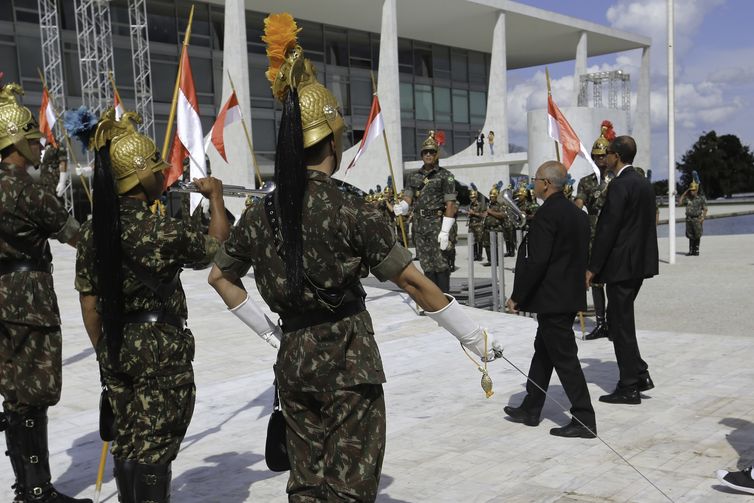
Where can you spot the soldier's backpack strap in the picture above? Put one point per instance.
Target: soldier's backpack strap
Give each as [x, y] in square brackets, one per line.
[163, 290]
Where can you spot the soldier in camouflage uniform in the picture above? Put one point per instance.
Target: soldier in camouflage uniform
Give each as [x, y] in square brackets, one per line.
[591, 194]
[696, 212]
[477, 214]
[493, 221]
[307, 268]
[55, 168]
[432, 191]
[30, 337]
[134, 306]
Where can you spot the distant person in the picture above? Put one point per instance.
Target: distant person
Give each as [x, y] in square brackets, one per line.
[491, 142]
[480, 143]
[549, 271]
[624, 253]
[696, 212]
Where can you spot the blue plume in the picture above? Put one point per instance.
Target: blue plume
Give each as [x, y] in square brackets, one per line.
[80, 124]
[529, 186]
[389, 181]
[569, 180]
[499, 185]
[649, 175]
[473, 186]
[695, 176]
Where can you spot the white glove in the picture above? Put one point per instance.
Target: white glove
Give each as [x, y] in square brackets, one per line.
[400, 208]
[62, 184]
[248, 312]
[442, 238]
[455, 320]
[205, 207]
[83, 170]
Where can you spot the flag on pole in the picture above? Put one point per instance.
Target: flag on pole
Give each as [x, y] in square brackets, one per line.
[187, 141]
[229, 113]
[561, 131]
[118, 105]
[47, 119]
[372, 130]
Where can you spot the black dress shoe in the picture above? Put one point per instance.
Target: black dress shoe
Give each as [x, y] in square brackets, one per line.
[628, 395]
[645, 383]
[574, 430]
[599, 332]
[520, 415]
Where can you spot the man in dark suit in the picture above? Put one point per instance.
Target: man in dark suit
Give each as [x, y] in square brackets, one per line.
[624, 253]
[549, 281]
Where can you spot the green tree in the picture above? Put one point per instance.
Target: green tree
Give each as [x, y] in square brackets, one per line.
[725, 166]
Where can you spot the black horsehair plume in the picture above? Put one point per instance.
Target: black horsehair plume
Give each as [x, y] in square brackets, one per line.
[290, 179]
[106, 229]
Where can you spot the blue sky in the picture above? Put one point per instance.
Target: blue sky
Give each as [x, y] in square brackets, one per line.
[714, 78]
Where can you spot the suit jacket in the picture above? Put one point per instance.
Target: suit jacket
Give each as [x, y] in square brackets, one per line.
[552, 259]
[625, 242]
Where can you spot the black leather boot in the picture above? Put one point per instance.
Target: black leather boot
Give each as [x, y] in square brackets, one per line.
[124, 472]
[452, 259]
[29, 438]
[691, 247]
[696, 247]
[12, 453]
[477, 252]
[152, 483]
[598, 294]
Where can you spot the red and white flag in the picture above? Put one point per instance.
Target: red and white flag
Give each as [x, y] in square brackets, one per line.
[229, 113]
[561, 131]
[188, 139]
[118, 105]
[373, 130]
[47, 119]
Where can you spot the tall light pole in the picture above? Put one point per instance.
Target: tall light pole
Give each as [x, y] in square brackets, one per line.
[671, 138]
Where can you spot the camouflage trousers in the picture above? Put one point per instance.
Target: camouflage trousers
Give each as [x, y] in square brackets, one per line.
[427, 247]
[694, 227]
[152, 393]
[31, 371]
[336, 443]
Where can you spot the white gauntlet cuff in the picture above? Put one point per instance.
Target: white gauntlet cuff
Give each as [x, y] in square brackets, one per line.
[468, 332]
[248, 312]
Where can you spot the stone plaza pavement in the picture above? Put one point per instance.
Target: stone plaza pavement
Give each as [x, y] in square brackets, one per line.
[446, 442]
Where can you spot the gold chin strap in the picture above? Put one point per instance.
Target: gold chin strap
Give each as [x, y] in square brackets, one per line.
[148, 181]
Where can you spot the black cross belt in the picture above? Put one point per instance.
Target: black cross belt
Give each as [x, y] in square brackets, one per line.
[155, 317]
[312, 318]
[9, 266]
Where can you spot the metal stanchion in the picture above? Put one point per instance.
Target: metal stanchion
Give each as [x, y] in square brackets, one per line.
[501, 271]
[470, 243]
[493, 271]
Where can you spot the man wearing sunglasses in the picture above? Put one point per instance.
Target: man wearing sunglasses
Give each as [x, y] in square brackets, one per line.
[624, 253]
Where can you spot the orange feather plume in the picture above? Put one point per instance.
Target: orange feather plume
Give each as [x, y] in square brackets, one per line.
[609, 131]
[280, 32]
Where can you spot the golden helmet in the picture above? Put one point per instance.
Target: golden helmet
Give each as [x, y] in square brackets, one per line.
[494, 191]
[320, 114]
[522, 192]
[473, 192]
[430, 143]
[607, 134]
[134, 158]
[17, 123]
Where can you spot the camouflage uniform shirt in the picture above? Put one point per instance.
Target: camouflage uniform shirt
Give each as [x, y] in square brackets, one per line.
[344, 238]
[30, 213]
[695, 206]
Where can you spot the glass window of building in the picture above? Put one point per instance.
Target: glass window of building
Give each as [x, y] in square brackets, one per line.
[10, 67]
[338, 84]
[477, 68]
[461, 139]
[336, 47]
[264, 134]
[477, 106]
[423, 102]
[360, 53]
[442, 104]
[30, 57]
[422, 61]
[441, 62]
[405, 56]
[311, 39]
[254, 32]
[361, 96]
[26, 11]
[161, 22]
[460, 106]
[6, 11]
[164, 69]
[458, 66]
[407, 101]
[408, 141]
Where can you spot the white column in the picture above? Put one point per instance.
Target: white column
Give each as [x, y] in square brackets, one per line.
[671, 136]
[580, 67]
[497, 94]
[641, 126]
[388, 87]
[239, 169]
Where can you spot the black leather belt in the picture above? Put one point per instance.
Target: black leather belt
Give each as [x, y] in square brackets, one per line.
[312, 318]
[9, 266]
[155, 317]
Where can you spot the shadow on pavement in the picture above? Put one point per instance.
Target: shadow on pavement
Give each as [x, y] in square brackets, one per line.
[81, 473]
[82, 355]
[741, 439]
[551, 410]
[602, 373]
[385, 481]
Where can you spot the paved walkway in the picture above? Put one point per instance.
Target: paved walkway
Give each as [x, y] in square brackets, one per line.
[446, 442]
